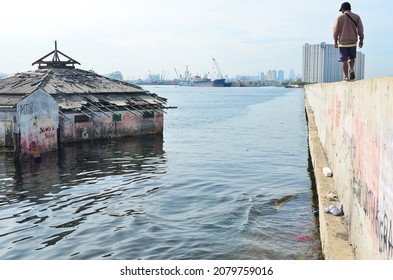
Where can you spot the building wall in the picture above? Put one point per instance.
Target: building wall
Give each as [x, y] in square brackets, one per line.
[6, 127]
[77, 127]
[321, 65]
[359, 65]
[37, 119]
[332, 68]
[355, 127]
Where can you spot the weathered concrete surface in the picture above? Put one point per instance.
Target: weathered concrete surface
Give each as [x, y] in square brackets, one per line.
[354, 123]
[333, 231]
[37, 119]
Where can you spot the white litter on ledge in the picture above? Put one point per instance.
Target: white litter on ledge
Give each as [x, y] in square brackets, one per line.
[327, 172]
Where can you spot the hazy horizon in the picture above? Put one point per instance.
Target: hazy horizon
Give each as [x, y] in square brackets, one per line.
[151, 36]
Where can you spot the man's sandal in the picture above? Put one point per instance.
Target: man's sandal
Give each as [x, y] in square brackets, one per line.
[352, 74]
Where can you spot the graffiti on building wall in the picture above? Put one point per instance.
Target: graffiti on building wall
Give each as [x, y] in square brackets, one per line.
[82, 129]
[105, 127]
[91, 130]
[85, 133]
[42, 131]
[26, 109]
[48, 133]
[109, 129]
[36, 120]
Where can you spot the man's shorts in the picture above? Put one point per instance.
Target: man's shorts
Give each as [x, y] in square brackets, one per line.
[347, 53]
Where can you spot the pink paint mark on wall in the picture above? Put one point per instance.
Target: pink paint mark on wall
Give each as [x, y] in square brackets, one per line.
[330, 112]
[334, 111]
[366, 154]
[25, 146]
[337, 104]
[366, 165]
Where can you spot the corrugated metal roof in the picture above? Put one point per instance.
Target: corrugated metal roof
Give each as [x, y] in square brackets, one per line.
[71, 86]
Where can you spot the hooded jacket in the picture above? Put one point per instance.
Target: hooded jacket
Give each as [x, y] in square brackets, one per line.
[345, 31]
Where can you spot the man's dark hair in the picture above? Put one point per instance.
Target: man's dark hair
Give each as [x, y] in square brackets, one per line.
[345, 7]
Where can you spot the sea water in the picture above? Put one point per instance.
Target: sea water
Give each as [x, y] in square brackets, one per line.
[230, 178]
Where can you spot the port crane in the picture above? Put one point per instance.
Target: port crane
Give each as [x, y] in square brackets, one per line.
[177, 74]
[219, 75]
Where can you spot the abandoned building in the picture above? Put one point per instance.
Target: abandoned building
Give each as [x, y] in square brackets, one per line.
[58, 103]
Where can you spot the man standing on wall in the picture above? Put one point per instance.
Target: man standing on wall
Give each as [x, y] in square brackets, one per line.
[347, 28]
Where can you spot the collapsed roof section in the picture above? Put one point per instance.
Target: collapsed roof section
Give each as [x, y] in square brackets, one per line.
[76, 89]
[64, 81]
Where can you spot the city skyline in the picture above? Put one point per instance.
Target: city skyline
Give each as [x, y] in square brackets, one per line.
[320, 64]
[270, 75]
[152, 36]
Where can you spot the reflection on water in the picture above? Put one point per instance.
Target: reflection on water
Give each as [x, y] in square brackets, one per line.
[78, 163]
[78, 181]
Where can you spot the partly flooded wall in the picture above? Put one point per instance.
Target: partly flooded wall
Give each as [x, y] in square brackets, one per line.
[101, 125]
[37, 119]
[6, 127]
[355, 127]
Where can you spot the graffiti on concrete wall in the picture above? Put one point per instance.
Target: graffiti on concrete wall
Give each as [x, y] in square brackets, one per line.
[385, 234]
[385, 206]
[356, 129]
[372, 171]
[366, 165]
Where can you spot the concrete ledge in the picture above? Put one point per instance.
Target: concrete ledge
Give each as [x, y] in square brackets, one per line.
[333, 230]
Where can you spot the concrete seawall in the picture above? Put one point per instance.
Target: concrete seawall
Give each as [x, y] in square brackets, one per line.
[351, 131]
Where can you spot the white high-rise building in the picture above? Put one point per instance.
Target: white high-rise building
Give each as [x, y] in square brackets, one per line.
[321, 65]
[271, 75]
[280, 76]
[292, 75]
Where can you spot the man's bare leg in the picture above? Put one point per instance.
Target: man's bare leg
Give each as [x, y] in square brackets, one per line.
[345, 70]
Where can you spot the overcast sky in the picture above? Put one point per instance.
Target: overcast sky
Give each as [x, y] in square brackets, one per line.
[137, 37]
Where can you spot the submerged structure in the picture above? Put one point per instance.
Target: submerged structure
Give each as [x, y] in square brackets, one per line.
[58, 103]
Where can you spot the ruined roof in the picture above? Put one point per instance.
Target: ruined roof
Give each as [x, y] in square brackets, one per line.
[65, 82]
[106, 102]
[56, 62]
[75, 89]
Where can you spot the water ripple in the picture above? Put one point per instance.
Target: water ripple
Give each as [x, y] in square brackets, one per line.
[207, 192]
